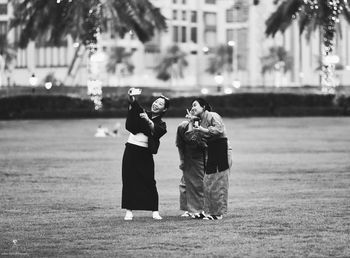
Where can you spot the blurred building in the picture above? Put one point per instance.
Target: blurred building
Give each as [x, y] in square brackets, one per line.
[198, 27]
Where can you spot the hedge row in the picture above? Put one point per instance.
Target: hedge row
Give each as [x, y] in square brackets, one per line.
[234, 105]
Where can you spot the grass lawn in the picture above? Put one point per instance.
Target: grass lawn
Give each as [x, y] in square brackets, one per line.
[289, 192]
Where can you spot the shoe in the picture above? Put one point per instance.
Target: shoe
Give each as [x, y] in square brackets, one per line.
[199, 215]
[128, 215]
[213, 217]
[186, 214]
[156, 216]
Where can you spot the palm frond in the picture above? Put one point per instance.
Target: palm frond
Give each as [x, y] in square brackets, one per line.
[282, 18]
[82, 18]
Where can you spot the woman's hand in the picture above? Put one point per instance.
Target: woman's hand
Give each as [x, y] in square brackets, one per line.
[130, 97]
[201, 129]
[146, 118]
[191, 118]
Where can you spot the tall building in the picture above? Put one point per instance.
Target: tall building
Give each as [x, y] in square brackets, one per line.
[197, 27]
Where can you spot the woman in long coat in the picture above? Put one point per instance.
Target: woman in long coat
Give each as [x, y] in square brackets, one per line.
[146, 128]
[191, 148]
[218, 161]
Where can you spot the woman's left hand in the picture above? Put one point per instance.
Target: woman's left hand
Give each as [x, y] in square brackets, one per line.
[144, 116]
[201, 129]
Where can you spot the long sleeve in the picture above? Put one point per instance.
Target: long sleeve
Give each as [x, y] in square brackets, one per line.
[214, 123]
[216, 126]
[133, 121]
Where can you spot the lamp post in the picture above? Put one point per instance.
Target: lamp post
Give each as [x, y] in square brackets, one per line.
[232, 43]
[219, 79]
[33, 81]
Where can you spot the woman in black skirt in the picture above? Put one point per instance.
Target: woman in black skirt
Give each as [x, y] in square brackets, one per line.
[146, 128]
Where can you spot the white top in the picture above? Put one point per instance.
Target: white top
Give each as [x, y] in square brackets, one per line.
[139, 139]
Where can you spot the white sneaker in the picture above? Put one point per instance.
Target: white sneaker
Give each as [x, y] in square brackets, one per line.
[156, 216]
[186, 214]
[128, 215]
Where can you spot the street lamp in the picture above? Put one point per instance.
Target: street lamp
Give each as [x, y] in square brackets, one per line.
[219, 79]
[33, 80]
[235, 81]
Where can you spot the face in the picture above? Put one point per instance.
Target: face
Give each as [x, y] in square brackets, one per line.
[158, 106]
[196, 109]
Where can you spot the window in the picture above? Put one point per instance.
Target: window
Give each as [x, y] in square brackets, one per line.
[3, 9]
[175, 34]
[184, 15]
[194, 35]
[3, 29]
[174, 14]
[240, 37]
[183, 1]
[229, 16]
[194, 16]
[21, 58]
[240, 12]
[210, 29]
[174, 1]
[183, 34]
[49, 55]
[22, 54]
[210, 38]
[210, 19]
[210, 1]
[229, 35]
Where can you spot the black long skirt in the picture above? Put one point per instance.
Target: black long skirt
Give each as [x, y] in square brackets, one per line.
[139, 186]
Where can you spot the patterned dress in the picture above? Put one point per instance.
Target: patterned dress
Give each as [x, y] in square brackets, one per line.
[191, 146]
[218, 164]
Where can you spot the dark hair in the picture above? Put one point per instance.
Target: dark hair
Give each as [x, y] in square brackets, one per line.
[166, 101]
[203, 103]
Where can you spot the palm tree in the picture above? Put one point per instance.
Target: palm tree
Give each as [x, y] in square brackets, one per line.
[278, 60]
[118, 55]
[172, 64]
[83, 19]
[312, 15]
[7, 55]
[221, 60]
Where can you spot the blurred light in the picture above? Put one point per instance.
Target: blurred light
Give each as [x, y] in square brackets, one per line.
[231, 43]
[204, 91]
[331, 59]
[48, 85]
[33, 80]
[98, 57]
[236, 84]
[228, 90]
[347, 67]
[76, 44]
[205, 50]
[219, 79]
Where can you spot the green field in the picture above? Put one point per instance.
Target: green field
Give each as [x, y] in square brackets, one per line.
[289, 192]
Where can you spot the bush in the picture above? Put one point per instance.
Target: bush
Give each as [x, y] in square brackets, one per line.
[234, 105]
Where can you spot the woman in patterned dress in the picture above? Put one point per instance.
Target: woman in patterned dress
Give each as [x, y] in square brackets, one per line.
[218, 159]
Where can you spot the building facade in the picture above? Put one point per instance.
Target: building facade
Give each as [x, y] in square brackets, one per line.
[197, 27]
